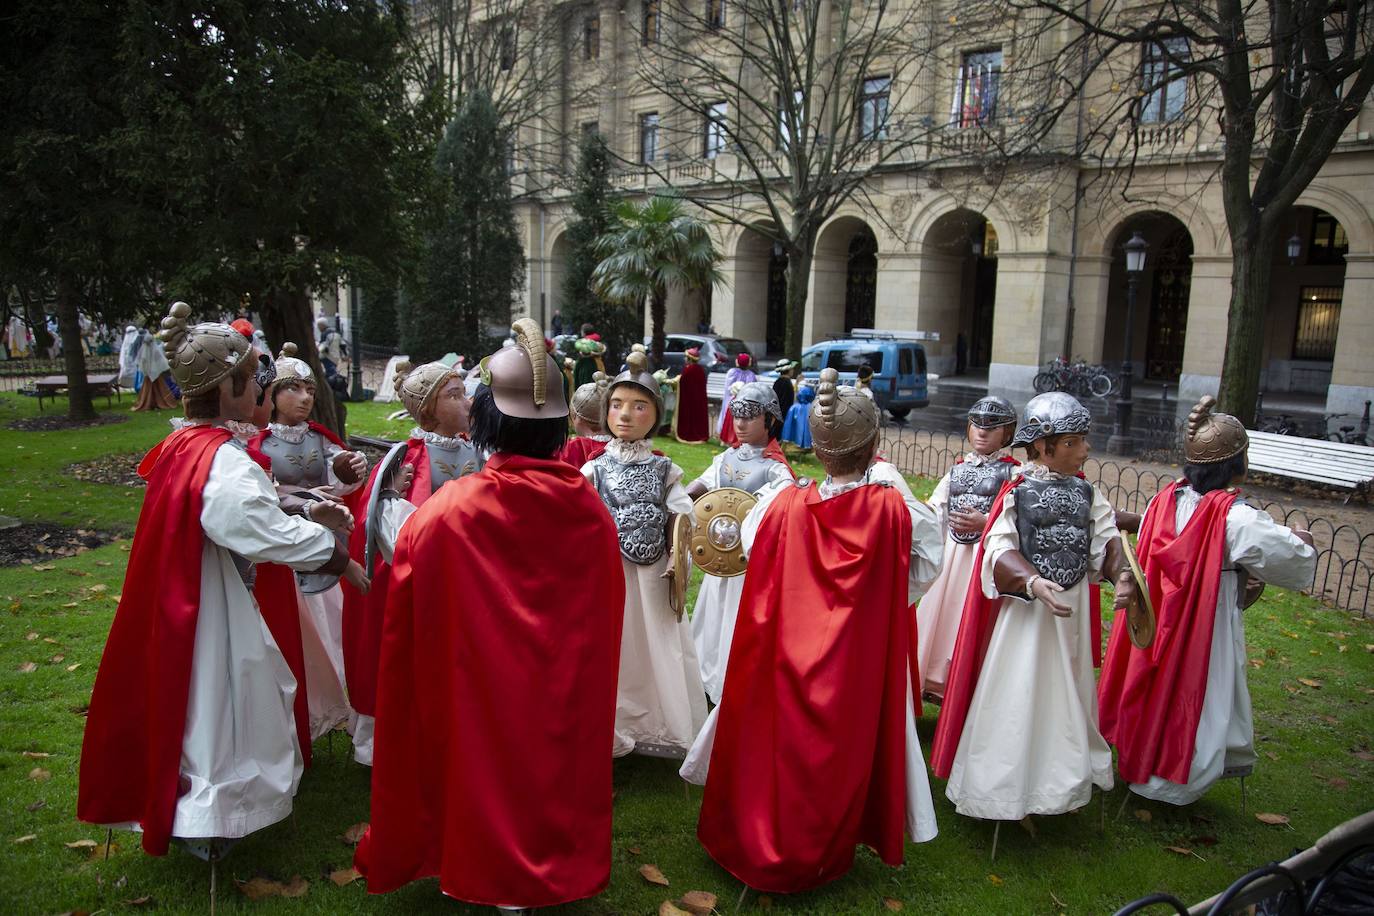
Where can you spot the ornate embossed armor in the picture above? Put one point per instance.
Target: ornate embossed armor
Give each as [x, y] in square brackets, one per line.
[745, 468]
[1053, 519]
[637, 496]
[450, 459]
[972, 487]
[303, 463]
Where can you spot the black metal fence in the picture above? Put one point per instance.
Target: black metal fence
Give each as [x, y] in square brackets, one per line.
[20, 374]
[1345, 554]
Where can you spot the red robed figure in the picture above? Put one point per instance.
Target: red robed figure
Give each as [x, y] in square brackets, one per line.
[1150, 700]
[496, 696]
[578, 450]
[691, 419]
[131, 753]
[362, 614]
[810, 750]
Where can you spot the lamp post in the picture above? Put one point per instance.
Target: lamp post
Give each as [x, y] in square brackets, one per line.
[355, 391]
[1121, 441]
[1294, 249]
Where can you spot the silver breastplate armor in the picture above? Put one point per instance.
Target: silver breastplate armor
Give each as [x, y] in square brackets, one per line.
[972, 487]
[1053, 519]
[749, 473]
[447, 463]
[298, 464]
[637, 495]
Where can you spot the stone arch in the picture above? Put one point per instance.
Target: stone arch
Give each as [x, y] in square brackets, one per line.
[1155, 330]
[843, 287]
[957, 289]
[1009, 235]
[1353, 216]
[1206, 238]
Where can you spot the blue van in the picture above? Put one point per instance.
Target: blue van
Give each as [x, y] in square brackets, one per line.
[898, 362]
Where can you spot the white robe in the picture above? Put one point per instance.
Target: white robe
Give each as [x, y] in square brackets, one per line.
[240, 754]
[1225, 731]
[1031, 744]
[713, 617]
[660, 700]
[926, 549]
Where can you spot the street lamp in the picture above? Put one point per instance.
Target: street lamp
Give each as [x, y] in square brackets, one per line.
[1294, 249]
[355, 392]
[1121, 441]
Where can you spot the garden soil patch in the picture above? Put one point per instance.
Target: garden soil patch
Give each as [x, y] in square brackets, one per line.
[58, 422]
[121, 470]
[39, 542]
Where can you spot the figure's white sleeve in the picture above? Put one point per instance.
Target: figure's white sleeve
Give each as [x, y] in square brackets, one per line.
[1000, 537]
[1104, 530]
[676, 499]
[939, 501]
[927, 538]
[779, 472]
[239, 512]
[1267, 549]
[749, 528]
[394, 513]
[710, 478]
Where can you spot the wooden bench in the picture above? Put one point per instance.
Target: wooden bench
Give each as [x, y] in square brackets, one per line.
[1334, 464]
[50, 386]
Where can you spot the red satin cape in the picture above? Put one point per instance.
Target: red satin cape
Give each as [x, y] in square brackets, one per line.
[728, 436]
[691, 418]
[810, 751]
[274, 587]
[362, 614]
[496, 697]
[131, 752]
[1150, 700]
[578, 450]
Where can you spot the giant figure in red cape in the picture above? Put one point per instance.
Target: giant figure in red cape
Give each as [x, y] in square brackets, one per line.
[691, 417]
[496, 692]
[813, 748]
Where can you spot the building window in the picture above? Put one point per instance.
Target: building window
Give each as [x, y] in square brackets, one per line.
[591, 37]
[648, 137]
[1329, 244]
[1319, 316]
[784, 131]
[507, 49]
[649, 23]
[715, 129]
[873, 102]
[1162, 80]
[715, 14]
[975, 92]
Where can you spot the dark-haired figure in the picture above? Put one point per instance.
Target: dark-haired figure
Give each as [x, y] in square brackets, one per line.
[437, 452]
[496, 693]
[1179, 712]
[750, 466]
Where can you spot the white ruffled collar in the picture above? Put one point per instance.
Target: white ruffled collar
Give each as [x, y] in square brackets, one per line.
[1040, 472]
[978, 460]
[438, 441]
[293, 434]
[241, 430]
[829, 489]
[630, 452]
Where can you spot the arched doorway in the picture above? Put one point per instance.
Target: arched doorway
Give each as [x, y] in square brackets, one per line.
[1306, 292]
[844, 276]
[559, 253]
[861, 284]
[958, 290]
[1161, 305]
[759, 288]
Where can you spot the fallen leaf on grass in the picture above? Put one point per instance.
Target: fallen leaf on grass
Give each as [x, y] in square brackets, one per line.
[35, 755]
[1366, 756]
[28, 838]
[260, 888]
[1309, 682]
[701, 903]
[1205, 840]
[97, 589]
[58, 659]
[73, 667]
[892, 905]
[38, 774]
[633, 850]
[28, 667]
[1337, 782]
[1271, 755]
[103, 563]
[50, 641]
[36, 806]
[1273, 820]
[71, 604]
[31, 636]
[652, 874]
[1059, 903]
[353, 834]
[1143, 816]
[994, 881]
[140, 901]
[344, 876]
[765, 902]
[1179, 850]
[82, 844]
[666, 908]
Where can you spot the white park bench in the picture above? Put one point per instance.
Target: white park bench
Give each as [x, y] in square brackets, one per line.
[1333, 464]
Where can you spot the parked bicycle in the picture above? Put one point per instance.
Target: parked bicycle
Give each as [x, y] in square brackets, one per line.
[1077, 378]
[1349, 434]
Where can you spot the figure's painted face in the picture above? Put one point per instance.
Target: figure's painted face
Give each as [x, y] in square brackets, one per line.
[753, 431]
[452, 408]
[632, 413]
[292, 402]
[988, 441]
[1067, 455]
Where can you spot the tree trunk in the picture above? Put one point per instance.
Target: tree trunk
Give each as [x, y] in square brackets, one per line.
[288, 316]
[1240, 371]
[79, 406]
[798, 277]
[658, 314]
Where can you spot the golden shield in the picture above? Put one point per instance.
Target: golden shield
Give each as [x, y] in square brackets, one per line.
[679, 564]
[716, 544]
[1140, 611]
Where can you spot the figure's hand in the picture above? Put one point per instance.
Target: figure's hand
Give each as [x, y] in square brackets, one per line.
[968, 521]
[402, 479]
[1127, 521]
[350, 467]
[356, 577]
[1125, 588]
[1047, 591]
[1304, 535]
[332, 514]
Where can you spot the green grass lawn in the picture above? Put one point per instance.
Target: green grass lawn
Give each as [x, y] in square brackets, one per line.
[1311, 677]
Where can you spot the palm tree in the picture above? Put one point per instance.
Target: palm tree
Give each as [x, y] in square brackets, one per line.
[650, 248]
